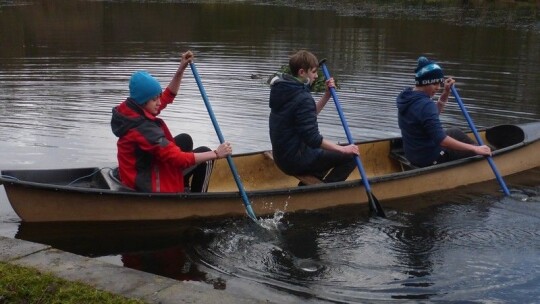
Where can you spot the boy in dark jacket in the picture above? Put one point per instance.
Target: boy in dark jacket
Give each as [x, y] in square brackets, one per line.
[149, 158]
[298, 147]
[425, 142]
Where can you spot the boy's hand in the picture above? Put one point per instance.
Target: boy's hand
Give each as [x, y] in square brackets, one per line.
[186, 59]
[330, 83]
[448, 83]
[350, 150]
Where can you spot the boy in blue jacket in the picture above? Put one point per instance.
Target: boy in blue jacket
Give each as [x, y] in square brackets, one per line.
[297, 145]
[425, 142]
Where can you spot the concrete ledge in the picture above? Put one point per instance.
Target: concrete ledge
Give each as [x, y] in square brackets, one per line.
[112, 278]
[11, 249]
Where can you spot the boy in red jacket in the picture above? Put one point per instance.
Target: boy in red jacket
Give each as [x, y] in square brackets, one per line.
[149, 158]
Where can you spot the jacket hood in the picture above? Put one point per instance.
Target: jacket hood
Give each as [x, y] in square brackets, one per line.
[126, 116]
[408, 97]
[285, 85]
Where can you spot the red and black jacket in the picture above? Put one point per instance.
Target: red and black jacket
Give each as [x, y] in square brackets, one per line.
[148, 158]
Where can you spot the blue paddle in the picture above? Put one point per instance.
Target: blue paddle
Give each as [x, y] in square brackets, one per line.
[479, 140]
[374, 205]
[245, 199]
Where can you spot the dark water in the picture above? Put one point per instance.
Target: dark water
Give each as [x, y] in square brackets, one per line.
[65, 64]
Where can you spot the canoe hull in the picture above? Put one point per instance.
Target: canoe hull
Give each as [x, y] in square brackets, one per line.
[46, 205]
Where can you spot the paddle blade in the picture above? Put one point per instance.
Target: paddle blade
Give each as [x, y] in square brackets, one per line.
[374, 206]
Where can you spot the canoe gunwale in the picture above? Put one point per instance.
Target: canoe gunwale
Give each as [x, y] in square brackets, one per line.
[194, 195]
[447, 165]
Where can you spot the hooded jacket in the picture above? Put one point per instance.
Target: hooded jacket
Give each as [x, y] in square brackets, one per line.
[421, 129]
[294, 131]
[148, 158]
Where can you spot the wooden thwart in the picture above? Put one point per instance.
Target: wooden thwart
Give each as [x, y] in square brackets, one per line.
[305, 179]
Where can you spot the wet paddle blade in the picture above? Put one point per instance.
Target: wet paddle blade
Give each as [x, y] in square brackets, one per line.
[374, 206]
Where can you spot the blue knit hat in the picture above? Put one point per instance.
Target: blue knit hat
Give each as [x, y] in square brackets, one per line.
[428, 72]
[143, 87]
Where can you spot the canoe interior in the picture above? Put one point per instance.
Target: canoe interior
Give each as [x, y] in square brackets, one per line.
[258, 172]
[80, 177]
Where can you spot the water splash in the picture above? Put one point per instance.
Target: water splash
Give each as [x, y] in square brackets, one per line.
[274, 223]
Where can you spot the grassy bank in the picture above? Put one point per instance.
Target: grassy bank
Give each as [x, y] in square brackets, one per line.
[26, 285]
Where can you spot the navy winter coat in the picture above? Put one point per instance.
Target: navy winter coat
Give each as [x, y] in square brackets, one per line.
[421, 129]
[294, 131]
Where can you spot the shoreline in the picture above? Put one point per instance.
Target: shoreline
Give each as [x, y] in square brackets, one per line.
[130, 283]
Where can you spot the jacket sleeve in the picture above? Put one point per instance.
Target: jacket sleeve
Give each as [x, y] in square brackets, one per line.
[153, 141]
[167, 97]
[306, 122]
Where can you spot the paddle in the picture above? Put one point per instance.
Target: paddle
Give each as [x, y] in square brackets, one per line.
[245, 199]
[479, 140]
[374, 205]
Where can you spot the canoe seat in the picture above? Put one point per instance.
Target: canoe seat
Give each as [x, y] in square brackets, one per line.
[113, 180]
[396, 152]
[304, 179]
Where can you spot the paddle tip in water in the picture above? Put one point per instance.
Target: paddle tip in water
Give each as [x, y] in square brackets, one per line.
[374, 206]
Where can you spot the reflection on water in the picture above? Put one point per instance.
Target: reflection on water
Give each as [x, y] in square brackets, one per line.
[65, 64]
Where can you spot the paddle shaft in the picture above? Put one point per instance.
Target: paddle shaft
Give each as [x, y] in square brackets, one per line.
[245, 199]
[373, 203]
[479, 140]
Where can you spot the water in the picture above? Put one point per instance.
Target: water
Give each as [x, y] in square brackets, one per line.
[457, 246]
[65, 64]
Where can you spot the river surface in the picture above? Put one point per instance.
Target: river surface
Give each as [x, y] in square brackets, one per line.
[65, 64]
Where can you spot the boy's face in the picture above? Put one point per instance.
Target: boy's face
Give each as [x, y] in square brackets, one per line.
[308, 76]
[153, 104]
[433, 88]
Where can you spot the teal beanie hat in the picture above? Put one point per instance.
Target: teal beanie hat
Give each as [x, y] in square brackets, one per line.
[428, 72]
[143, 87]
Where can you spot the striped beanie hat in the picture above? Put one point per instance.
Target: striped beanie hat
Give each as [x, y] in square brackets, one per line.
[428, 72]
